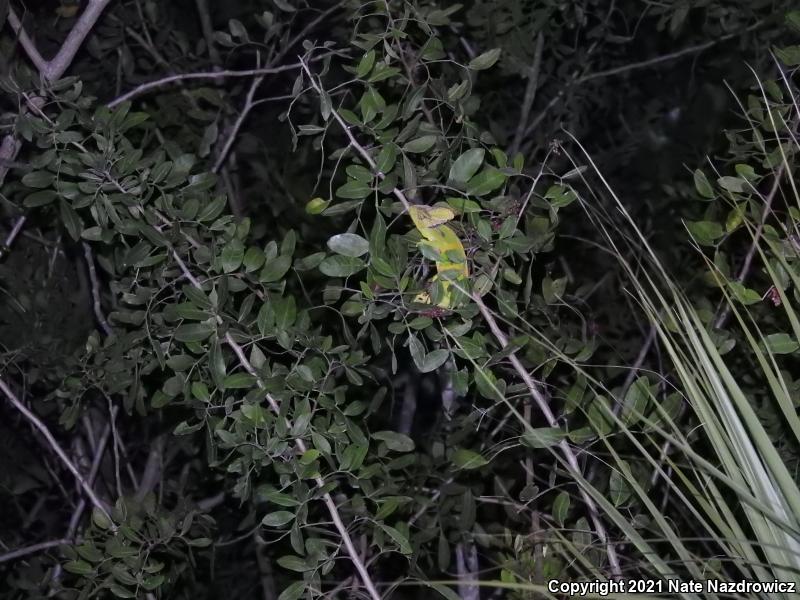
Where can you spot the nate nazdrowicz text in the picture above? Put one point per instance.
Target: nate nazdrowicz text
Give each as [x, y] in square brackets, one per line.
[668, 586]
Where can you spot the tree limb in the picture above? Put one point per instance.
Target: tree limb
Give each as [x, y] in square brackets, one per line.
[152, 85]
[32, 549]
[98, 309]
[56, 447]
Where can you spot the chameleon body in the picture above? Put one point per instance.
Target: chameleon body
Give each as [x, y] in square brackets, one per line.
[431, 222]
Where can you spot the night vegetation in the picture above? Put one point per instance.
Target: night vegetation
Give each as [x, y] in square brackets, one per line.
[398, 299]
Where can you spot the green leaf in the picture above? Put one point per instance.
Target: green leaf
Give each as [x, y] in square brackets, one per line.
[316, 205]
[733, 184]
[780, 343]
[618, 488]
[78, 567]
[466, 165]
[702, 184]
[278, 518]
[294, 591]
[275, 269]
[238, 381]
[399, 538]
[485, 182]
[561, 507]
[705, 232]
[793, 20]
[789, 55]
[285, 312]
[100, 519]
[193, 332]
[121, 592]
[434, 360]
[38, 179]
[253, 259]
[294, 563]
[71, 220]
[348, 244]
[420, 144]
[232, 256]
[467, 459]
[40, 198]
[386, 159]
[485, 60]
[354, 189]
[744, 294]
[341, 266]
[365, 64]
[543, 437]
[395, 441]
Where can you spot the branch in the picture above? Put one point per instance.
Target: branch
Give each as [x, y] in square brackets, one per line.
[56, 447]
[54, 69]
[15, 231]
[748, 259]
[98, 309]
[152, 85]
[20, 552]
[248, 106]
[27, 43]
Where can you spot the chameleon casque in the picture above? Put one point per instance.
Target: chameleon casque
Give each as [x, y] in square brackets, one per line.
[451, 260]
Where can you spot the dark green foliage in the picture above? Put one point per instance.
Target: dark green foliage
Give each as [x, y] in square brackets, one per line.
[221, 310]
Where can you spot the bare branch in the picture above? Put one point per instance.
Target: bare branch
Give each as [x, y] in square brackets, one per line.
[98, 309]
[467, 570]
[26, 42]
[61, 61]
[248, 106]
[15, 231]
[56, 447]
[158, 83]
[54, 69]
[32, 549]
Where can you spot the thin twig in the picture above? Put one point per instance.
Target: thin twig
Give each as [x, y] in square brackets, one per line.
[56, 447]
[744, 271]
[32, 549]
[248, 106]
[98, 309]
[467, 571]
[158, 83]
[96, 461]
[15, 231]
[27, 43]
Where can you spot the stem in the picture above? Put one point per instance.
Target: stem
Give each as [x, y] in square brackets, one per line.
[38, 424]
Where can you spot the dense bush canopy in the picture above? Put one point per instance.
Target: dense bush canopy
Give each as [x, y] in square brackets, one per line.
[398, 299]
